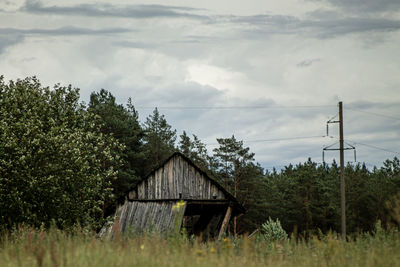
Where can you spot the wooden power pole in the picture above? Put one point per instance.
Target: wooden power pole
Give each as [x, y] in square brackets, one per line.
[341, 149]
[342, 182]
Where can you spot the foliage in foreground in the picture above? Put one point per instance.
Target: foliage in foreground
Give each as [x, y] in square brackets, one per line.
[28, 247]
[55, 166]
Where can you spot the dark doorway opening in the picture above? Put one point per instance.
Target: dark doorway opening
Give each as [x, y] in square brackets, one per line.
[203, 219]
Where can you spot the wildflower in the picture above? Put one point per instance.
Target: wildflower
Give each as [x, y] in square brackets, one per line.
[178, 205]
[199, 252]
[227, 242]
[212, 250]
[142, 247]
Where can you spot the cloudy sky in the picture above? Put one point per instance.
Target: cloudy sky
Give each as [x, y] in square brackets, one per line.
[269, 72]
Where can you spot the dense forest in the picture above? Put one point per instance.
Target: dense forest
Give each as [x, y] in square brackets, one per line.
[63, 162]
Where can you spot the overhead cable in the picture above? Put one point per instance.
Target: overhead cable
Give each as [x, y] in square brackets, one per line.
[278, 139]
[232, 107]
[376, 114]
[376, 147]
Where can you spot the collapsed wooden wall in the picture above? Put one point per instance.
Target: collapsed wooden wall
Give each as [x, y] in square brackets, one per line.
[140, 216]
[177, 179]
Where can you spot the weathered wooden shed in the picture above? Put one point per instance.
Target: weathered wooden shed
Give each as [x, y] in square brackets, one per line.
[174, 193]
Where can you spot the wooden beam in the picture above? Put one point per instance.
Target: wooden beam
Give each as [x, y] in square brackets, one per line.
[225, 221]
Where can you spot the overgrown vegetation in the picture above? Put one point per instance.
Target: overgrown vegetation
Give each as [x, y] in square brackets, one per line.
[29, 247]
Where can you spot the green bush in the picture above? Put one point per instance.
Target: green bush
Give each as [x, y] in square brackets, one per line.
[55, 166]
[273, 231]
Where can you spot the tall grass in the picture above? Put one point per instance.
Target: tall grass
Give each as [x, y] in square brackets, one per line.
[28, 247]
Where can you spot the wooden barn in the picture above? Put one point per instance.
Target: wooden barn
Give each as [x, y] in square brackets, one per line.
[176, 194]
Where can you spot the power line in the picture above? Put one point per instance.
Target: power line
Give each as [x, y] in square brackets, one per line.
[376, 147]
[284, 139]
[232, 107]
[278, 139]
[376, 114]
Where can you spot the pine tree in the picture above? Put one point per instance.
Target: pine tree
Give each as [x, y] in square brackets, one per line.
[159, 140]
[185, 145]
[232, 157]
[122, 123]
[200, 154]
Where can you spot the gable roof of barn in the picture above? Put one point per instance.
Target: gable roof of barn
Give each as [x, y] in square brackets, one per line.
[228, 195]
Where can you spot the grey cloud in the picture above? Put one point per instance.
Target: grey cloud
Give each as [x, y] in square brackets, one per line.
[321, 23]
[321, 28]
[332, 28]
[307, 63]
[28, 59]
[109, 10]
[190, 94]
[9, 6]
[139, 45]
[69, 30]
[191, 106]
[9, 40]
[266, 20]
[375, 124]
[171, 47]
[371, 105]
[325, 14]
[386, 112]
[362, 6]
[194, 39]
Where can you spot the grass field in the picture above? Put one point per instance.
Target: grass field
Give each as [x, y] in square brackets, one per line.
[28, 247]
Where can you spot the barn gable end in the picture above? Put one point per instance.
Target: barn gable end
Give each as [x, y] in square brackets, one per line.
[178, 178]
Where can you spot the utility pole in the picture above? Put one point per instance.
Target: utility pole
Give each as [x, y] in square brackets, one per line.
[341, 149]
[342, 182]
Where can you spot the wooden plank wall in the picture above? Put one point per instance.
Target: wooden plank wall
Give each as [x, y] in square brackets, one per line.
[139, 216]
[177, 179]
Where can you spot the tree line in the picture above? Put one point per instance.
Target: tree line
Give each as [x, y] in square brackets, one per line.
[63, 162]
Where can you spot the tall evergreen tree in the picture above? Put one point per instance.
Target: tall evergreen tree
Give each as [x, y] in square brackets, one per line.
[200, 154]
[251, 194]
[232, 157]
[304, 197]
[159, 140]
[195, 150]
[122, 123]
[360, 206]
[185, 145]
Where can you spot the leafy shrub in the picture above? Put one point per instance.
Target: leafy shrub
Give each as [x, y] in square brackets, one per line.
[55, 166]
[273, 231]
